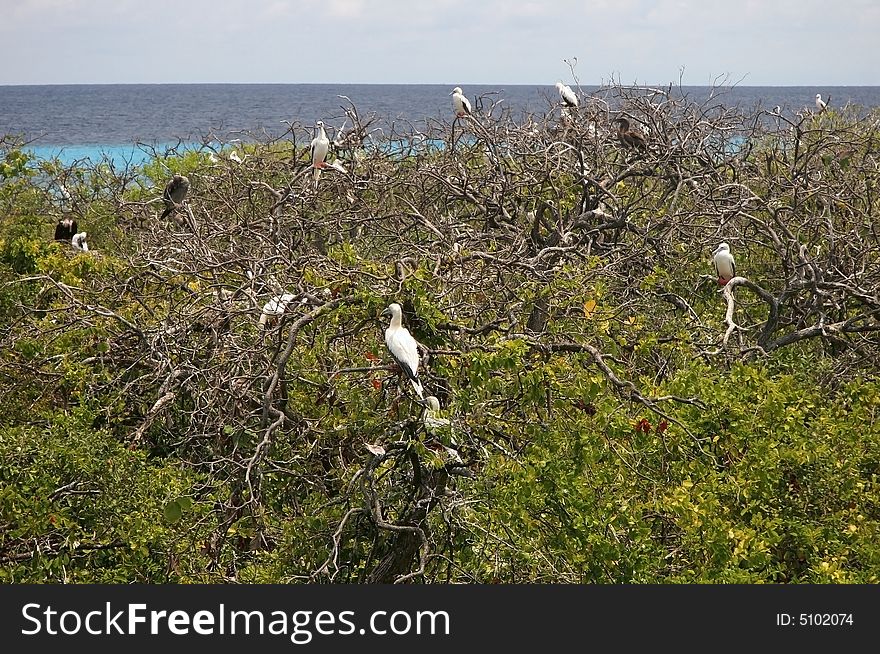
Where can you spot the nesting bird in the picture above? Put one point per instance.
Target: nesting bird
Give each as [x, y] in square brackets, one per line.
[630, 137]
[273, 309]
[569, 99]
[725, 267]
[65, 229]
[431, 417]
[460, 103]
[403, 346]
[318, 149]
[78, 241]
[175, 193]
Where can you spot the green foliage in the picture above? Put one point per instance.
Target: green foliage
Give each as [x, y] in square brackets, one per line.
[601, 420]
[94, 507]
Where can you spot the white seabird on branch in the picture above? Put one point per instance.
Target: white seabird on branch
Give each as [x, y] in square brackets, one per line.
[274, 308]
[569, 99]
[460, 103]
[725, 267]
[403, 346]
[820, 103]
[318, 150]
[431, 418]
[79, 241]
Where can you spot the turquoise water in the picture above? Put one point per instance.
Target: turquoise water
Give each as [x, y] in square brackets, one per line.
[119, 157]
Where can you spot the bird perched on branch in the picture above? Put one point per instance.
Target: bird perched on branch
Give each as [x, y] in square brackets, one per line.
[632, 138]
[318, 150]
[65, 229]
[175, 193]
[460, 103]
[79, 242]
[725, 267]
[569, 99]
[403, 346]
[434, 424]
[821, 104]
[273, 309]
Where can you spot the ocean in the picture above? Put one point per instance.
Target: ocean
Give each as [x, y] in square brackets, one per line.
[126, 123]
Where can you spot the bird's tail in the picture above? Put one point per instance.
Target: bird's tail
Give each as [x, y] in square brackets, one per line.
[316, 175]
[418, 386]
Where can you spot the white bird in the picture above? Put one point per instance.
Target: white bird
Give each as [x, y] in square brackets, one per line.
[233, 156]
[820, 103]
[725, 268]
[274, 308]
[403, 346]
[432, 408]
[79, 241]
[569, 99]
[318, 150]
[460, 103]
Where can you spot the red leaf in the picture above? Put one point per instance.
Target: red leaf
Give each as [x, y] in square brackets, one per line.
[377, 384]
[663, 426]
[643, 426]
[370, 356]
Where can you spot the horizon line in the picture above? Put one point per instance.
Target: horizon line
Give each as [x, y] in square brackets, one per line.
[543, 84]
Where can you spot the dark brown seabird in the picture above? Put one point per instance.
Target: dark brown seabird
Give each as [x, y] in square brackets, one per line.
[65, 229]
[630, 137]
[175, 193]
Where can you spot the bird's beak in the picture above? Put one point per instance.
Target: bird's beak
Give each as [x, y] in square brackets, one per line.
[385, 312]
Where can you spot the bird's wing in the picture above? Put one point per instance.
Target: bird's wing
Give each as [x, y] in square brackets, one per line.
[319, 149]
[169, 189]
[466, 104]
[727, 260]
[404, 349]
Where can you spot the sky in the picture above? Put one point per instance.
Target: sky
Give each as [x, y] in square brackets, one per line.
[697, 42]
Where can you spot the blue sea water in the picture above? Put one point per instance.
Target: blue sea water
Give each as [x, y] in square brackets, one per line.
[125, 124]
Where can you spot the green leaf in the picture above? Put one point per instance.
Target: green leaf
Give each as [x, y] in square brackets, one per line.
[173, 512]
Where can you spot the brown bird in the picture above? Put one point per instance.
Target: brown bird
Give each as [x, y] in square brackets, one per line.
[630, 137]
[65, 229]
[175, 193]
